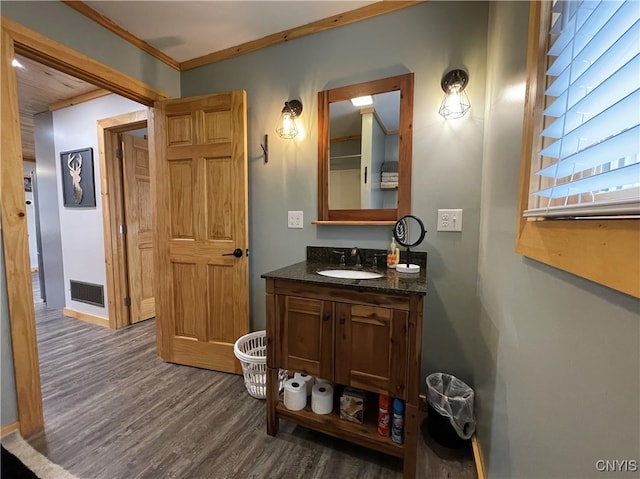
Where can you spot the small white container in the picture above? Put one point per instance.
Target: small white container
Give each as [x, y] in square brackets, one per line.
[408, 268]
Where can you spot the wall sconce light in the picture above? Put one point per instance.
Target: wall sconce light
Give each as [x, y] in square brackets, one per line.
[455, 103]
[287, 127]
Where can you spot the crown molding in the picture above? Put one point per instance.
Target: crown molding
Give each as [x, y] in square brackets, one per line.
[362, 13]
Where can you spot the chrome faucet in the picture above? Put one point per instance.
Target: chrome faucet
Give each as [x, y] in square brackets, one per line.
[355, 254]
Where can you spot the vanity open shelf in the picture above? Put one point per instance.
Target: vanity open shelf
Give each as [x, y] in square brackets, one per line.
[364, 334]
[365, 434]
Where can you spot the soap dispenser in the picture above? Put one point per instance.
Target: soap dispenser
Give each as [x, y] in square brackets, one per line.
[392, 256]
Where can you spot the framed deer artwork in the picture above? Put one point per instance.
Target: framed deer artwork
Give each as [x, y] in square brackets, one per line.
[78, 187]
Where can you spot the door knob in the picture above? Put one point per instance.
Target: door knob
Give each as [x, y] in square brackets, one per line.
[236, 252]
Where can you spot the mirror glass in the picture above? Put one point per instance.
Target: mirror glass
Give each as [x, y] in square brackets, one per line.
[364, 151]
[409, 231]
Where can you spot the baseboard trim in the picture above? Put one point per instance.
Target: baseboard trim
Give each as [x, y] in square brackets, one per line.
[86, 317]
[9, 428]
[477, 457]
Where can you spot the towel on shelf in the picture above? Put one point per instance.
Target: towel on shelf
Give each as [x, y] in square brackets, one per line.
[389, 175]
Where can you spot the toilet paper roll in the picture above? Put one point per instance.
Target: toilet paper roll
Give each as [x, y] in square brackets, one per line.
[307, 379]
[322, 398]
[295, 394]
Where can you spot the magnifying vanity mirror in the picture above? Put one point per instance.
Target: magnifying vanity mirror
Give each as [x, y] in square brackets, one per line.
[365, 141]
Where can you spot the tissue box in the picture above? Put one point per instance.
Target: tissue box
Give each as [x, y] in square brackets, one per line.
[352, 405]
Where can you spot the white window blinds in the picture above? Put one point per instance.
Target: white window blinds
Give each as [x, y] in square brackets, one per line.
[590, 162]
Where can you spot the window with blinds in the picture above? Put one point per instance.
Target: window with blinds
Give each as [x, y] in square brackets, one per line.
[589, 164]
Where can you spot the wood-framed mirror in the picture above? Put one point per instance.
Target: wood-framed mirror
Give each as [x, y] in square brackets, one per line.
[364, 152]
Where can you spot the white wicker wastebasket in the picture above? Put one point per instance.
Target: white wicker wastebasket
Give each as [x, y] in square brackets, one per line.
[251, 351]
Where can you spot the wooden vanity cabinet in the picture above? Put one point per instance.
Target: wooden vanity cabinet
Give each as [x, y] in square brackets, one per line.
[307, 330]
[371, 348]
[367, 340]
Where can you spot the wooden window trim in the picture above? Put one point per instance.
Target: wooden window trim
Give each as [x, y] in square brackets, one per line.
[604, 251]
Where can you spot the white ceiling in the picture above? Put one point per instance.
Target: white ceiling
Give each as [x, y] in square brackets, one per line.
[185, 30]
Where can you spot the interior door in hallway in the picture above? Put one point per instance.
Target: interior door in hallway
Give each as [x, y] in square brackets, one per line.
[139, 234]
[202, 268]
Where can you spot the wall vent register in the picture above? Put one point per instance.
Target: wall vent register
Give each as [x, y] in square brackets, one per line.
[87, 292]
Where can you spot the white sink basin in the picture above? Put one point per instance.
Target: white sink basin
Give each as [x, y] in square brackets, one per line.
[349, 274]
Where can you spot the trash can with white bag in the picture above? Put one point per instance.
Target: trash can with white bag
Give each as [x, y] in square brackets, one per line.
[450, 421]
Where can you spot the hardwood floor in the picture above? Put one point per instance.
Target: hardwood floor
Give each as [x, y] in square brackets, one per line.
[114, 409]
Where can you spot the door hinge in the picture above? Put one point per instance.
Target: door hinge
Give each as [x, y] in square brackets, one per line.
[123, 229]
[119, 154]
[127, 301]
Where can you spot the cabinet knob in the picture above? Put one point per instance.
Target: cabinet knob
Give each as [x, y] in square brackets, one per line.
[342, 319]
[326, 317]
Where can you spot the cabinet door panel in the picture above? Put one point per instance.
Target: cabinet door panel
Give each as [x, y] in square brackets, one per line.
[371, 348]
[307, 336]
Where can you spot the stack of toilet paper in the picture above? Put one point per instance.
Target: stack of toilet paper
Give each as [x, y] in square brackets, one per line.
[298, 389]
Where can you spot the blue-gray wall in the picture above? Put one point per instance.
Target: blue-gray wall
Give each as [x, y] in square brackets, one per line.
[556, 362]
[447, 156]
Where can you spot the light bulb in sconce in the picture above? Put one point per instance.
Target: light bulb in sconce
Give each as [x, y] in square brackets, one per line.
[287, 127]
[455, 103]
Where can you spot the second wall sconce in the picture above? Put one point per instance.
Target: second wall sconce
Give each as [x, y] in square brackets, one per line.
[455, 103]
[287, 127]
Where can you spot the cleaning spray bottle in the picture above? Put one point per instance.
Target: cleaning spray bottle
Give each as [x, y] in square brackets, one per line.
[392, 256]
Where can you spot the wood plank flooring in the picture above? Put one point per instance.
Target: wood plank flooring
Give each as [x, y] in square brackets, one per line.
[114, 409]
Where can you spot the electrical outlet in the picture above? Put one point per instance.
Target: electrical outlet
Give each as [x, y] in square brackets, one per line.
[450, 220]
[295, 219]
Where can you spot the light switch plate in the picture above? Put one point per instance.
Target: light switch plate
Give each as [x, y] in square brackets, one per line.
[450, 220]
[295, 219]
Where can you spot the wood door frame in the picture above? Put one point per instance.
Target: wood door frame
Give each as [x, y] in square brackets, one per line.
[19, 39]
[113, 215]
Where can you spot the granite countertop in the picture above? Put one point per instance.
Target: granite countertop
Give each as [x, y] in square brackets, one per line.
[390, 282]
